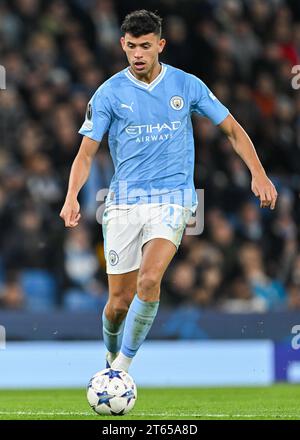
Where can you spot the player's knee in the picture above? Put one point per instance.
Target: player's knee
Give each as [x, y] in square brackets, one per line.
[117, 309]
[120, 307]
[148, 284]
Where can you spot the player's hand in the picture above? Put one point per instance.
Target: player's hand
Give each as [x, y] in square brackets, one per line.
[70, 212]
[264, 189]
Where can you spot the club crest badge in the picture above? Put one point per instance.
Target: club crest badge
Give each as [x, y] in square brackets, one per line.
[113, 258]
[177, 102]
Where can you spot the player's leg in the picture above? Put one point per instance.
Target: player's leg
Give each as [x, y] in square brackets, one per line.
[122, 288]
[157, 254]
[122, 248]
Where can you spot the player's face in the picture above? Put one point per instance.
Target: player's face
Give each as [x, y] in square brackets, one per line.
[142, 52]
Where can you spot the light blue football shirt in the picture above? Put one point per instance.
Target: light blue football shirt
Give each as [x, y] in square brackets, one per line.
[150, 134]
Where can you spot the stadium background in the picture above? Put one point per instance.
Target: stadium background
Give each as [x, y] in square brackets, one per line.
[235, 285]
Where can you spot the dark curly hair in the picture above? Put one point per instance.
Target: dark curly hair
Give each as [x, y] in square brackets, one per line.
[142, 22]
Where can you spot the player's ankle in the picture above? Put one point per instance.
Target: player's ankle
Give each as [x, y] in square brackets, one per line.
[122, 362]
[110, 357]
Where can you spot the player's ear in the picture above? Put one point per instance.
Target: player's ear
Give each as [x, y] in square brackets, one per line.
[161, 45]
[122, 41]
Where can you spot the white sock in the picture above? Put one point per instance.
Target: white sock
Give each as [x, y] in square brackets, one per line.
[121, 362]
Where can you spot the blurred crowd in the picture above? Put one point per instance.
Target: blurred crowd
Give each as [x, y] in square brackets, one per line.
[56, 54]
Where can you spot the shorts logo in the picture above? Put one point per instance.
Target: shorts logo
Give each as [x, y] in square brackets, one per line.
[113, 258]
[177, 102]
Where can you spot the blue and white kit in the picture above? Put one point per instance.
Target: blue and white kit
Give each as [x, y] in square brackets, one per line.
[151, 143]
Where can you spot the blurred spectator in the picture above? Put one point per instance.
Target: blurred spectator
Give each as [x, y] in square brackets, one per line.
[294, 297]
[83, 285]
[249, 225]
[210, 280]
[176, 33]
[106, 23]
[264, 94]
[240, 298]
[80, 260]
[223, 237]
[42, 182]
[295, 275]
[29, 244]
[270, 290]
[246, 47]
[11, 293]
[181, 282]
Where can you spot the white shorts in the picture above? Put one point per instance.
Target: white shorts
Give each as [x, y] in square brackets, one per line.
[126, 228]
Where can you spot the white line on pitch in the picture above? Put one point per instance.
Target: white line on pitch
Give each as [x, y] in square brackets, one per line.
[88, 413]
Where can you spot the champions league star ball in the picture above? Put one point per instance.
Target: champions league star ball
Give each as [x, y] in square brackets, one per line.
[111, 392]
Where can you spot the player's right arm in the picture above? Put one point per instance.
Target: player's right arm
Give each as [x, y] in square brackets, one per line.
[79, 174]
[96, 124]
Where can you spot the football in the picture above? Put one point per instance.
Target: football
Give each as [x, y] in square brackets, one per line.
[111, 392]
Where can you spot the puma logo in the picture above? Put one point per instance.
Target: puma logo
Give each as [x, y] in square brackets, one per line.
[127, 106]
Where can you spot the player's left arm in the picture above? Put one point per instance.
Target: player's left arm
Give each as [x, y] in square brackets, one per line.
[261, 185]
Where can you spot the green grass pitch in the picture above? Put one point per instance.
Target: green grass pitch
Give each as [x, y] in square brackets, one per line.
[274, 402]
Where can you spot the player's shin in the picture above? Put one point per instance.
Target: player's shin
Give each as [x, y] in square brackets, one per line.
[112, 337]
[138, 322]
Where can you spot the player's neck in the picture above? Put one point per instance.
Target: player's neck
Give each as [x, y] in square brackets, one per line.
[150, 76]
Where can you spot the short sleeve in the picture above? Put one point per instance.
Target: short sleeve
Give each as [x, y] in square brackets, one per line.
[205, 102]
[98, 117]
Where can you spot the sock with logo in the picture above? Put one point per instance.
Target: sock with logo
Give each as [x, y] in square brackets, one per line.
[138, 322]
